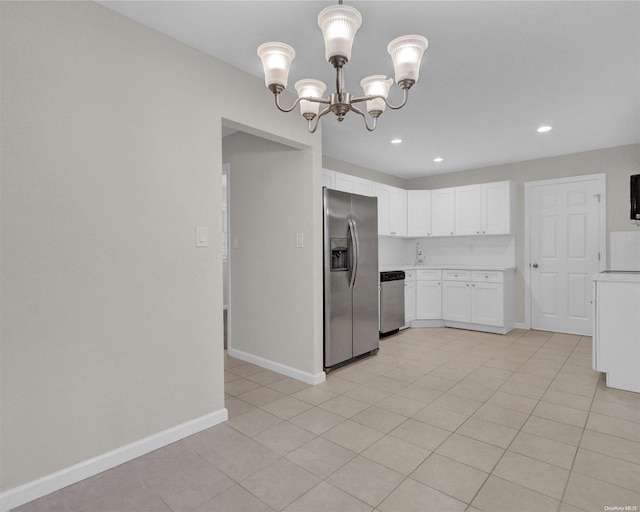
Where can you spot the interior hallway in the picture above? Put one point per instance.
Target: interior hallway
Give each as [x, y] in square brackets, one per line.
[440, 420]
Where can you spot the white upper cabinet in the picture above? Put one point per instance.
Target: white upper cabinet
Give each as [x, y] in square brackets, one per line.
[498, 208]
[364, 187]
[486, 209]
[392, 210]
[483, 209]
[468, 207]
[443, 212]
[398, 219]
[328, 178]
[354, 185]
[419, 213]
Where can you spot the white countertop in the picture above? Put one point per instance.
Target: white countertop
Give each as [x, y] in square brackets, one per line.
[618, 276]
[386, 268]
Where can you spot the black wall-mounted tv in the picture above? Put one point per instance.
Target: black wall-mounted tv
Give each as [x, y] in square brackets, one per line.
[635, 197]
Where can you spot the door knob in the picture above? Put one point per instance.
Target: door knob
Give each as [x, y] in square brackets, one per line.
[535, 265]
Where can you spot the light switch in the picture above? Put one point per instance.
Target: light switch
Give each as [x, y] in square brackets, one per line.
[299, 240]
[201, 237]
[235, 242]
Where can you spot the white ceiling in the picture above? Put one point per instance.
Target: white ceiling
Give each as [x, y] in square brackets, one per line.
[493, 72]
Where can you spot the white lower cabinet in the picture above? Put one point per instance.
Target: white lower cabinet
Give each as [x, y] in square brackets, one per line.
[616, 342]
[456, 301]
[429, 295]
[409, 301]
[479, 300]
[487, 304]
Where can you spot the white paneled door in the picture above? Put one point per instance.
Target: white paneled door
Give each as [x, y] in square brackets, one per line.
[565, 239]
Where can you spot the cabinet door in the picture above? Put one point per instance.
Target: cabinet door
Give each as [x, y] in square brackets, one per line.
[419, 212]
[398, 211]
[487, 304]
[409, 301]
[364, 187]
[328, 178]
[384, 209]
[344, 182]
[456, 301]
[498, 202]
[429, 300]
[468, 217]
[443, 212]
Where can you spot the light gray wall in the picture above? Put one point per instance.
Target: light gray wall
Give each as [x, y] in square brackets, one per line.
[361, 172]
[617, 163]
[111, 156]
[271, 309]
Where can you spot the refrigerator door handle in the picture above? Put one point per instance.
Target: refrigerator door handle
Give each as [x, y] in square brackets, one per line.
[353, 233]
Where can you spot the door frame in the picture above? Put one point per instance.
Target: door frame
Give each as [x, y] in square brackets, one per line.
[601, 178]
[226, 171]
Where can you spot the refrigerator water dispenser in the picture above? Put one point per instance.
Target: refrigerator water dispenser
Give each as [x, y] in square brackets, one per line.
[339, 254]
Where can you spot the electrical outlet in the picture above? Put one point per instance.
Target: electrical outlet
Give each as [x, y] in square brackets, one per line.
[299, 240]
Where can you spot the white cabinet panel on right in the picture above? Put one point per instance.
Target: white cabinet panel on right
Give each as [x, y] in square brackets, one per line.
[616, 329]
[498, 208]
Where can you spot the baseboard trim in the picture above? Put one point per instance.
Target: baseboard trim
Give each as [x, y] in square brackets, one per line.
[427, 323]
[289, 371]
[522, 325]
[42, 486]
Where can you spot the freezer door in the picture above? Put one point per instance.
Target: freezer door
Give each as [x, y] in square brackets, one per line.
[364, 214]
[338, 313]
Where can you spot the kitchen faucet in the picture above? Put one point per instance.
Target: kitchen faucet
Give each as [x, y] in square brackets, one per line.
[419, 255]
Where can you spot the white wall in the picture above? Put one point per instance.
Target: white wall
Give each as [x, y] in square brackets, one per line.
[111, 156]
[271, 315]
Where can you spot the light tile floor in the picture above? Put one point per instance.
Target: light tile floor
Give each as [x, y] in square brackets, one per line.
[440, 420]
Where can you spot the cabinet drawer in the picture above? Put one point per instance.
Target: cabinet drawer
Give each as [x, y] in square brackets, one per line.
[487, 276]
[429, 275]
[409, 275]
[457, 275]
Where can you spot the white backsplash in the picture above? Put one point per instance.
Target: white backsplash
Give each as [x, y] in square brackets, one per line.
[624, 248]
[493, 251]
[392, 251]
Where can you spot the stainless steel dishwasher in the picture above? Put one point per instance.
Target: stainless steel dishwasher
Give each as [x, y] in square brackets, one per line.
[391, 301]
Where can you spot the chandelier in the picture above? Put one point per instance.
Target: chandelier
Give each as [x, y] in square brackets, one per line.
[339, 24]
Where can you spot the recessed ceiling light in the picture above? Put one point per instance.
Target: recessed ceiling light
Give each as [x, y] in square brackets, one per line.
[396, 141]
[544, 129]
[438, 159]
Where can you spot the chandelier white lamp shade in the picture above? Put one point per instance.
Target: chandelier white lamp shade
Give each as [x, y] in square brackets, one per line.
[406, 53]
[378, 86]
[276, 61]
[339, 24]
[309, 88]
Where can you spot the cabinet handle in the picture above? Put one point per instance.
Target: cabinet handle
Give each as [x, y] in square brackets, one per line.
[452, 232]
[473, 285]
[467, 284]
[478, 232]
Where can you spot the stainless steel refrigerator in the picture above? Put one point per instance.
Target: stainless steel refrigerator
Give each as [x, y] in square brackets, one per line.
[350, 276]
